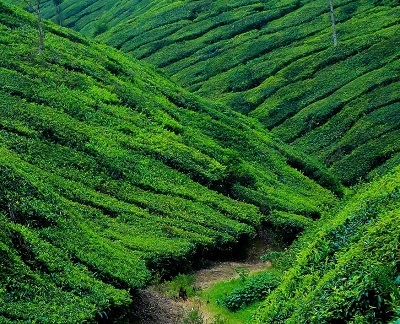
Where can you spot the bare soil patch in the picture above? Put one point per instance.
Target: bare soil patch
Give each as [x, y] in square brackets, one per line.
[218, 271]
[153, 307]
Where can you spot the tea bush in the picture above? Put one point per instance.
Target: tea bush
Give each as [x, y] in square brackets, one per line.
[275, 62]
[111, 175]
[344, 268]
[255, 288]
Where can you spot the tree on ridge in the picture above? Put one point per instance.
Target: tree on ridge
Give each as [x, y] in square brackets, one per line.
[35, 6]
[333, 23]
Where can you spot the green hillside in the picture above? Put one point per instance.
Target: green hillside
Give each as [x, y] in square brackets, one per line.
[275, 61]
[111, 174]
[347, 268]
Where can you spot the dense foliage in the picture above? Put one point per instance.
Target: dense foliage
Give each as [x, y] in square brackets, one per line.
[347, 268]
[275, 61]
[110, 173]
[253, 289]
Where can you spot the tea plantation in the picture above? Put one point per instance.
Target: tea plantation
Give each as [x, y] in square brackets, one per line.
[114, 172]
[111, 174]
[346, 269]
[275, 61]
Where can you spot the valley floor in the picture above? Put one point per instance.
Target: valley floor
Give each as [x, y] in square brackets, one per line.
[154, 307]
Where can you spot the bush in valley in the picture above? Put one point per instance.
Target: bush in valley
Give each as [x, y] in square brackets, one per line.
[251, 290]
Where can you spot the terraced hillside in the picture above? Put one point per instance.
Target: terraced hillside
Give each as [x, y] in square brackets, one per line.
[344, 268]
[275, 61]
[111, 173]
[347, 268]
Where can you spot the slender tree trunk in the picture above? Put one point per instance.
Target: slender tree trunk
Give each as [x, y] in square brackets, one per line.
[41, 37]
[34, 6]
[333, 24]
[40, 27]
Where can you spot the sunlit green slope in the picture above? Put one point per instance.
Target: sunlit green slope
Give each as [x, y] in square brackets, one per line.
[109, 173]
[347, 268]
[275, 61]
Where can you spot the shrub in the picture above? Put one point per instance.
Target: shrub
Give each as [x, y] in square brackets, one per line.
[253, 289]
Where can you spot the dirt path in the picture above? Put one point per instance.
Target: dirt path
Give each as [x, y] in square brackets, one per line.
[152, 307]
[218, 271]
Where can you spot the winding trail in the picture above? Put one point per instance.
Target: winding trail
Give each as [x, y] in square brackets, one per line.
[153, 307]
[219, 271]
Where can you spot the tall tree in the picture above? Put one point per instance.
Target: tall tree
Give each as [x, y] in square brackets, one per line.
[333, 23]
[35, 6]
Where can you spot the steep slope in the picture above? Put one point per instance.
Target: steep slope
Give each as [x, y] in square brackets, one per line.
[275, 61]
[111, 173]
[347, 268]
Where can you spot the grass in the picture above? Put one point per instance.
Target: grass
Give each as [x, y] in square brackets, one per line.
[210, 302]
